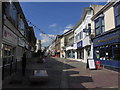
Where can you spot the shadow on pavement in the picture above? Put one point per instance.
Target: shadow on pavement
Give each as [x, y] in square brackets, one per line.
[55, 69]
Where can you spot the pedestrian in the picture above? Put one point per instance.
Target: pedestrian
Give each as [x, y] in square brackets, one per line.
[62, 55]
[23, 64]
[87, 65]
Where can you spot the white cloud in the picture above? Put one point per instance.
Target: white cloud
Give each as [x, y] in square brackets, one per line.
[70, 26]
[53, 25]
[46, 39]
[65, 30]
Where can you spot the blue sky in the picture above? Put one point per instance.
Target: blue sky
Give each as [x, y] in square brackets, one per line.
[53, 17]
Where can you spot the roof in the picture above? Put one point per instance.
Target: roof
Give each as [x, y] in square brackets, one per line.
[105, 7]
[84, 11]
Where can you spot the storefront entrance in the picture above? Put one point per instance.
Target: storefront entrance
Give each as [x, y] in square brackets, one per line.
[80, 53]
[8, 53]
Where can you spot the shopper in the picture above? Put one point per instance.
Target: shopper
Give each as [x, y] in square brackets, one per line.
[23, 64]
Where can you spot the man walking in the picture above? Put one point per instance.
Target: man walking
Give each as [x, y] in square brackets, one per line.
[23, 64]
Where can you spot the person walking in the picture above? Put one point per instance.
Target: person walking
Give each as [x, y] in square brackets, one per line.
[23, 64]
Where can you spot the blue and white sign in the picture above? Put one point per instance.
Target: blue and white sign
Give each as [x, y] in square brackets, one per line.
[79, 44]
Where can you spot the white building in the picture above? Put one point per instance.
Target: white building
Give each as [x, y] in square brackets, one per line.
[82, 34]
[38, 45]
[62, 54]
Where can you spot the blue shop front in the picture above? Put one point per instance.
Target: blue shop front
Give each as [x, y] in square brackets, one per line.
[107, 48]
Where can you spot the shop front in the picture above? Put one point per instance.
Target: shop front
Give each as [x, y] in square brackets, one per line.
[80, 50]
[107, 49]
[9, 44]
[70, 52]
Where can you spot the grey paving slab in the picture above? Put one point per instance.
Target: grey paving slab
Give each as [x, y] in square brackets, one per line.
[63, 74]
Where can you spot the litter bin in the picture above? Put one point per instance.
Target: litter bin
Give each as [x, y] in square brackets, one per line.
[97, 64]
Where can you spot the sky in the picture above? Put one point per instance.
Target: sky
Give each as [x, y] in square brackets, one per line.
[53, 18]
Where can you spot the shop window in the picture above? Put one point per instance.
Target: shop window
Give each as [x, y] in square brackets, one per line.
[73, 54]
[102, 54]
[108, 53]
[97, 53]
[117, 14]
[116, 53]
[8, 54]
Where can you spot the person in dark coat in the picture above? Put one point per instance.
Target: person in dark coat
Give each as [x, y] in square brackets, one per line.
[23, 64]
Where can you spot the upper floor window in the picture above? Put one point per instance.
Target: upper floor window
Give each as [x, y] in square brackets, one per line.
[11, 11]
[80, 35]
[117, 14]
[99, 25]
[22, 27]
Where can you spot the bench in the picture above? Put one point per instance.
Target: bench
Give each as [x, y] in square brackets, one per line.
[39, 75]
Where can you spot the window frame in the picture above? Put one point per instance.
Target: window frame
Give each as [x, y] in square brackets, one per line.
[100, 26]
[115, 16]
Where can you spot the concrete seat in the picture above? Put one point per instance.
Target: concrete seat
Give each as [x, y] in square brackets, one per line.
[39, 75]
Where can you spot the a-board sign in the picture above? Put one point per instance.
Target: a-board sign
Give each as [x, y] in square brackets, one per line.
[91, 64]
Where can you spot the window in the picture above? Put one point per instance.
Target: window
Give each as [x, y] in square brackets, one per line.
[76, 37]
[99, 25]
[80, 35]
[89, 28]
[117, 14]
[116, 53]
[111, 52]
[108, 53]
[21, 26]
[11, 11]
[102, 54]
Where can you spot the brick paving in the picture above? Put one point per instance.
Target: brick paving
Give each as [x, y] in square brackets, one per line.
[63, 73]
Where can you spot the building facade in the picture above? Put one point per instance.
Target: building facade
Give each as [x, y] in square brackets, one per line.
[58, 45]
[15, 34]
[62, 47]
[82, 34]
[69, 41]
[38, 46]
[107, 35]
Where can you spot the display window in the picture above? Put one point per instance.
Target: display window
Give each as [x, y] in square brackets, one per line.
[8, 53]
[108, 52]
[80, 53]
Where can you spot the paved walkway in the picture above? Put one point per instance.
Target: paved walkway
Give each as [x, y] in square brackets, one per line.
[63, 74]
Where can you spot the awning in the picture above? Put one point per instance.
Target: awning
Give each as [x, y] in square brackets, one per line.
[69, 48]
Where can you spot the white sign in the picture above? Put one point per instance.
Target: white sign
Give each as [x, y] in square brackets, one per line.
[91, 64]
[21, 42]
[9, 36]
[26, 45]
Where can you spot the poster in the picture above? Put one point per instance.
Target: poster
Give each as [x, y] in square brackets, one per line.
[91, 64]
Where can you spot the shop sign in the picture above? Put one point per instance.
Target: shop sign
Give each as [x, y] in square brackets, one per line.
[79, 44]
[26, 45]
[21, 42]
[107, 39]
[9, 36]
[75, 45]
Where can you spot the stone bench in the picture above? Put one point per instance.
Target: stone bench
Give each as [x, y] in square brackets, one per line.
[39, 75]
